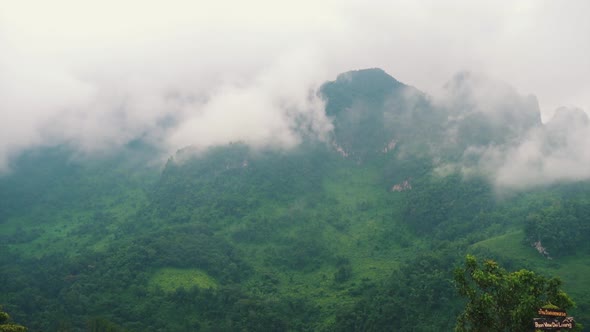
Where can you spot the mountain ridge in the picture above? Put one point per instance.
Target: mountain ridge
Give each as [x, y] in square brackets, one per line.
[359, 231]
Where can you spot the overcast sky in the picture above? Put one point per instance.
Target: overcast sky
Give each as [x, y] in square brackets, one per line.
[97, 74]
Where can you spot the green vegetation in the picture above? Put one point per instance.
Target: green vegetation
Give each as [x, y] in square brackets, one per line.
[362, 232]
[498, 300]
[171, 279]
[561, 229]
[7, 326]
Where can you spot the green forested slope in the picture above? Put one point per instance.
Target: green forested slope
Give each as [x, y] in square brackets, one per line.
[356, 233]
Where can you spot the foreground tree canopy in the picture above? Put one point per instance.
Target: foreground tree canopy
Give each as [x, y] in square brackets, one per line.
[7, 326]
[498, 300]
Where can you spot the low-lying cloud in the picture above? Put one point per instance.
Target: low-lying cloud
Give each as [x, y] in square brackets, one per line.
[557, 152]
[501, 136]
[271, 110]
[97, 75]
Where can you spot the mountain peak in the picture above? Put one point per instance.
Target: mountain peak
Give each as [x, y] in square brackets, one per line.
[368, 85]
[566, 118]
[372, 75]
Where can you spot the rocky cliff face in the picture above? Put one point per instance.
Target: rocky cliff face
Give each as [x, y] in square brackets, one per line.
[484, 111]
[373, 113]
[371, 109]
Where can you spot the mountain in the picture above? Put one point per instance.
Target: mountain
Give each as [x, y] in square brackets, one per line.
[361, 231]
[372, 112]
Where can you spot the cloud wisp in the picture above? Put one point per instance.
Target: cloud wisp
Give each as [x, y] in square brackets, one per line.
[97, 75]
[557, 152]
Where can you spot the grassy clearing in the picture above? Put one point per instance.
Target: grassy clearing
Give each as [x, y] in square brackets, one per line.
[572, 270]
[171, 279]
[510, 245]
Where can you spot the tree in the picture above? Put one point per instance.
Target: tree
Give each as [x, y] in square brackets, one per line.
[498, 300]
[5, 326]
[560, 228]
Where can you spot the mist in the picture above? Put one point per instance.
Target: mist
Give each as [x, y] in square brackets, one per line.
[96, 76]
[516, 150]
[557, 152]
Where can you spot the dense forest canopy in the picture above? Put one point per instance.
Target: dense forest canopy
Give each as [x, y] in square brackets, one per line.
[358, 231]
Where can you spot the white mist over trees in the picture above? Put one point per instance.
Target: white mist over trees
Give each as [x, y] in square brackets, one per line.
[98, 76]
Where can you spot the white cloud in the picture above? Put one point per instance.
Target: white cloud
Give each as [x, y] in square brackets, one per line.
[97, 74]
[556, 153]
[270, 110]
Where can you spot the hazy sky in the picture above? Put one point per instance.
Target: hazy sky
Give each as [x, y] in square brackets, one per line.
[97, 74]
